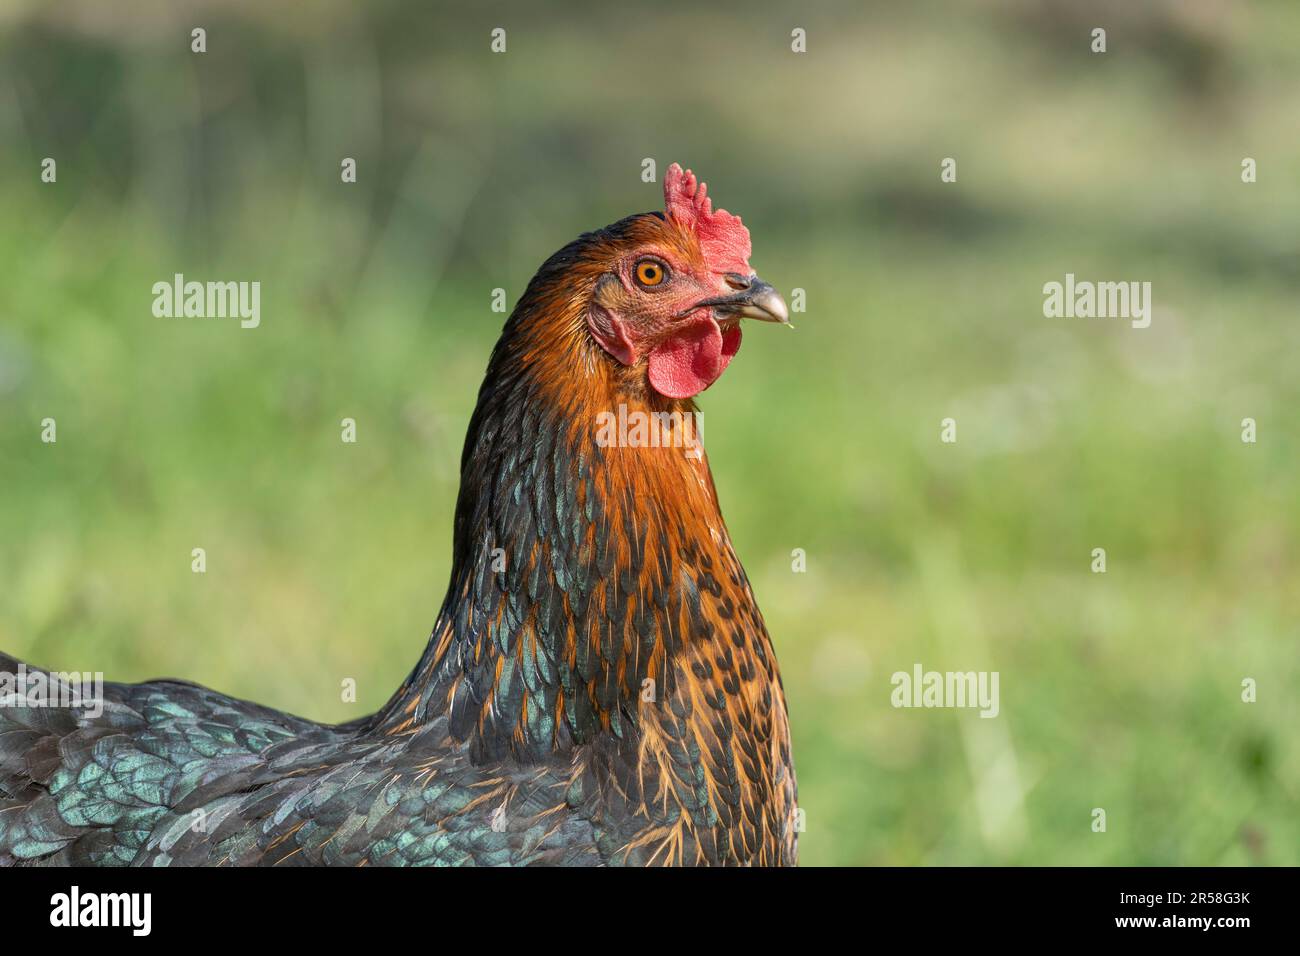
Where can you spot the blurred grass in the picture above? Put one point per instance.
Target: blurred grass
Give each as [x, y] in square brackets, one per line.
[327, 561]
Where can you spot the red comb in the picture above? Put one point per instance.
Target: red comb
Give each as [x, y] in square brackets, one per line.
[724, 240]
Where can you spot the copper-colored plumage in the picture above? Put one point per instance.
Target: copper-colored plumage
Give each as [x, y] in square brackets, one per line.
[705, 761]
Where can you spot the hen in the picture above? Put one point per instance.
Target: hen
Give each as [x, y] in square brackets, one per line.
[599, 687]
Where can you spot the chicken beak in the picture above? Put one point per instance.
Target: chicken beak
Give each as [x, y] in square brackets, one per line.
[761, 301]
[754, 299]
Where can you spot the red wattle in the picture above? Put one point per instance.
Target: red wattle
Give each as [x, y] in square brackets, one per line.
[692, 360]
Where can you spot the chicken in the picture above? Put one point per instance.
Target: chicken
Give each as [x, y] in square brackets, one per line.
[599, 687]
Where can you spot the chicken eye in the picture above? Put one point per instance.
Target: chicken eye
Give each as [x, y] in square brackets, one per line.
[649, 272]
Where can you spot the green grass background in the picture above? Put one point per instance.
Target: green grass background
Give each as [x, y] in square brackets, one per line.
[327, 561]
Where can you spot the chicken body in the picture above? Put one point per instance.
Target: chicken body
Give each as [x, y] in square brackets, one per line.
[599, 687]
